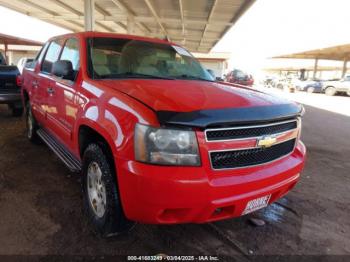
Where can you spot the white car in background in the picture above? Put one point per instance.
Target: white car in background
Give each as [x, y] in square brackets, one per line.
[22, 62]
[332, 88]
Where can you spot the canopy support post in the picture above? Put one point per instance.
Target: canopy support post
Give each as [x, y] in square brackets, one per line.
[345, 67]
[130, 25]
[89, 17]
[315, 68]
[5, 52]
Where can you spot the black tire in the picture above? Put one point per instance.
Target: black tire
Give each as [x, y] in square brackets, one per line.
[31, 125]
[112, 221]
[310, 90]
[17, 112]
[330, 91]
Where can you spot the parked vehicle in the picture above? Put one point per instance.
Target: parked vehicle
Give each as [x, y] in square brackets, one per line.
[332, 88]
[270, 81]
[285, 84]
[10, 90]
[237, 76]
[22, 62]
[155, 139]
[310, 86]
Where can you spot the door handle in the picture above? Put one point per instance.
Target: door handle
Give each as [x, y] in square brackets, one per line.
[50, 90]
[35, 84]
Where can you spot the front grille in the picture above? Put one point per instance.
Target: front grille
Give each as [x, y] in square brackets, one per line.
[250, 157]
[246, 132]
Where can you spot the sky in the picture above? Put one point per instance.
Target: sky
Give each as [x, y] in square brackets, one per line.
[17, 24]
[268, 28]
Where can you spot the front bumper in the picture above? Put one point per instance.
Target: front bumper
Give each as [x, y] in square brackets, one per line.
[169, 195]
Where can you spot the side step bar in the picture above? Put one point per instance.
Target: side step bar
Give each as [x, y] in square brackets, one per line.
[68, 159]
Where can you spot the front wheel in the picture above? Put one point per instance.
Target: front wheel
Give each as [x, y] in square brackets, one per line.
[280, 86]
[310, 89]
[330, 91]
[101, 197]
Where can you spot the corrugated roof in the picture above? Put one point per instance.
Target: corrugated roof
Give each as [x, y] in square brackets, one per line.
[13, 40]
[340, 52]
[196, 24]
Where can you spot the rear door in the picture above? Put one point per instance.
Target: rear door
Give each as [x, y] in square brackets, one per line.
[30, 82]
[47, 99]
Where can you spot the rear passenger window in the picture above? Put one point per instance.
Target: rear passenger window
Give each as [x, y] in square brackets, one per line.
[31, 64]
[51, 56]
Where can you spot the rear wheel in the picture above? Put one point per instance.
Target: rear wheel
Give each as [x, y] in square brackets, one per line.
[31, 125]
[310, 89]
[330, 91]
[17, 112]
[101, 197]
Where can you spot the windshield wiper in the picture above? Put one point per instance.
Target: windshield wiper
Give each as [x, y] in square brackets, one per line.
[189, 77]
[134, 75]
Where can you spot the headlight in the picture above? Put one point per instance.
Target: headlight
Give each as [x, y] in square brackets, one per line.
[299, 128]
[165, 146]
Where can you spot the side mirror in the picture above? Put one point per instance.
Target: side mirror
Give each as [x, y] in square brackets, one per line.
[29, 64]
[63, 69]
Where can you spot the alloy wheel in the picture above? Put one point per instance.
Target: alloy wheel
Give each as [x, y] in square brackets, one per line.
[96, 190]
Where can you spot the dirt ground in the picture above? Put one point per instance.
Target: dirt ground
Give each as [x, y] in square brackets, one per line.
[41, 205]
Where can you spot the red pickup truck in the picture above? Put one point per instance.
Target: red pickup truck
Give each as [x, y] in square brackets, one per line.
[155, 139]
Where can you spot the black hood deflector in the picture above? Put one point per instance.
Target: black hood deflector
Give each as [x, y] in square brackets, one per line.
[229, 116]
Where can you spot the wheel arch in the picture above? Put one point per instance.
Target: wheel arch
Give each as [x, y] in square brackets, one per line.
[88, 134]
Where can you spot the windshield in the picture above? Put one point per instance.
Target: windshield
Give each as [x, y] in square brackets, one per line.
[113, 58]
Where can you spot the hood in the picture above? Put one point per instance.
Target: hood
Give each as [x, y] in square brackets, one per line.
[186, 96]
[201, 103]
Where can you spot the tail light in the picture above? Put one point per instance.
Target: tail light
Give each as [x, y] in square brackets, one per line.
[19, 80]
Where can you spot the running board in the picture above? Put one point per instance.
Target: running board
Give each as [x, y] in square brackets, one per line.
[68, 158]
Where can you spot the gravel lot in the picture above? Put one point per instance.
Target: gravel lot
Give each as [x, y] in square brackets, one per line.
[42, 215]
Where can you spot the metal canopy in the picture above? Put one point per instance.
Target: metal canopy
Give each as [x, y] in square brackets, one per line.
[341, 52]
[196, 24]
[12, 40]
[307, 68]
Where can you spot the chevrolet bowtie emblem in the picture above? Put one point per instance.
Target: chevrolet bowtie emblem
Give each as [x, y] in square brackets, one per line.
[266, 141]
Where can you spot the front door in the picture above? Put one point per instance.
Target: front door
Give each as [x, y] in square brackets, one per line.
[65, 92]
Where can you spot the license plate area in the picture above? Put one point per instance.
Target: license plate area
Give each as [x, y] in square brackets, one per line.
[256, 204]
